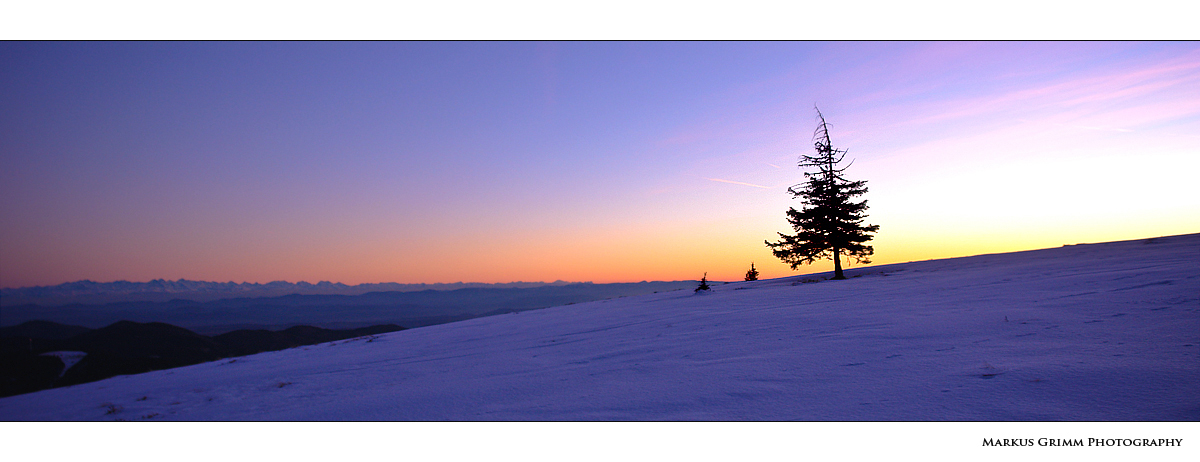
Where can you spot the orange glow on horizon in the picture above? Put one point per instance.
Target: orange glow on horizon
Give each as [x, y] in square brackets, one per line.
[575, 161]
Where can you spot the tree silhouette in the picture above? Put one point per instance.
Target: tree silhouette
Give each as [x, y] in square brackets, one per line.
[703, 283]
[752, 275]
[830, 224]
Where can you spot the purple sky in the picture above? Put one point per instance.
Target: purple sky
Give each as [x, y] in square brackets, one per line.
[600, 161]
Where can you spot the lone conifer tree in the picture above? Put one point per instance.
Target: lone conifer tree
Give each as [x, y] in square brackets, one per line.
[830, 224]
[752, 275]
[703, 283]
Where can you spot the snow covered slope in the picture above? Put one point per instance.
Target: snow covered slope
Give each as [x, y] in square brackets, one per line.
[1084, 332]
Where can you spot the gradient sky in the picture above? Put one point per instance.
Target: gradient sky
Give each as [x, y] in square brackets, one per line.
[581, 161]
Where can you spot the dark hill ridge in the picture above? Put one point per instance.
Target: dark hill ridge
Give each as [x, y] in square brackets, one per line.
[132, 339]
[127, 347]
[247, 342]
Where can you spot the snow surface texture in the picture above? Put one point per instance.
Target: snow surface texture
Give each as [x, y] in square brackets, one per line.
[1084, 332]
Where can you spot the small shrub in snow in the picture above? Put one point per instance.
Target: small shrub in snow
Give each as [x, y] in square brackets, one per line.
[752, 275]
[703, 284]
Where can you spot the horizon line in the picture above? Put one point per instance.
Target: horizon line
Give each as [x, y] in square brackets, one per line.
[588, 282]
[559, 281]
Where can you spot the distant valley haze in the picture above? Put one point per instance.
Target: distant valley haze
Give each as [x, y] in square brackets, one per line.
[213, 308]
[163, 290]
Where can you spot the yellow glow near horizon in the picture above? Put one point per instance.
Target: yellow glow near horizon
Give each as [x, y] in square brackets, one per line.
[598, 162]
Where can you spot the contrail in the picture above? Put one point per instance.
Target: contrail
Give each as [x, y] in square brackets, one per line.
[737, 182]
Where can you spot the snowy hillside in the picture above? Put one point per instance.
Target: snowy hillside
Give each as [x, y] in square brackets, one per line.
[1083, 332]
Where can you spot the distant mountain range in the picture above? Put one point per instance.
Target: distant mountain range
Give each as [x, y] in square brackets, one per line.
[161, 290]
[330, 311]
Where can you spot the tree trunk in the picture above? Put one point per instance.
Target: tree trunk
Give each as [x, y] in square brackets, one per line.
[837, 264]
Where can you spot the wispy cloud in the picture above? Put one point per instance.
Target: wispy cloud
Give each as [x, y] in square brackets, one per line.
[1079, 95]
[1103, 129]
[737, 182]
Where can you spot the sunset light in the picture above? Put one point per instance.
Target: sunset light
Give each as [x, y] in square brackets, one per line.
[435, 162]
